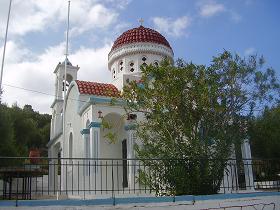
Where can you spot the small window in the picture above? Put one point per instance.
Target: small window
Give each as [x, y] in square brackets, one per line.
[114, 73]
[131, 66]
[120, 66]
[144, 59]
[156, 63]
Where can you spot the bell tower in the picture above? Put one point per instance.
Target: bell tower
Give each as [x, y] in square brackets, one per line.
[57, 105]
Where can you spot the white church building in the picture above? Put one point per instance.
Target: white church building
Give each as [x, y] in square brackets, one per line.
[87, 103]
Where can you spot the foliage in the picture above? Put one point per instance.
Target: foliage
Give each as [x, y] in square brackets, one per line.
[7, 141]
[22, 129]
[264, 133]
[194, 114]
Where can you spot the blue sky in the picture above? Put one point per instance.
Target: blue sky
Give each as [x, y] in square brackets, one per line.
[196, 29]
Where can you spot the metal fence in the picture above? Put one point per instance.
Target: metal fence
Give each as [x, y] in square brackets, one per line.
[43, 178]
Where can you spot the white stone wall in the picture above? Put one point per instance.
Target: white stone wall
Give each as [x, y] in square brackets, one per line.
[133, 53]
[73, 124]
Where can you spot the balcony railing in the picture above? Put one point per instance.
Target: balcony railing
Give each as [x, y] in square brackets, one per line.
[45, 178]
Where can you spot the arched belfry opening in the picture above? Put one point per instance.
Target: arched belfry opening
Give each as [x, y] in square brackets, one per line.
[69, 79]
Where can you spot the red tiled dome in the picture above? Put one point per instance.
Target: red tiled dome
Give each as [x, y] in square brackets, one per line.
[140, 34]
[100, 89]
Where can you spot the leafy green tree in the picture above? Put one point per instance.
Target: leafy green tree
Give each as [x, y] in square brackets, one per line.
[265, 134]
[7, 141]
[194, 114]
[23, 129]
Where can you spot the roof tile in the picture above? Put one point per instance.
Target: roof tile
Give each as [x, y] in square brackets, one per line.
[94, 88]
[140, 34]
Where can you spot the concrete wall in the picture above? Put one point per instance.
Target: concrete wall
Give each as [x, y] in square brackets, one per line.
[237, 202]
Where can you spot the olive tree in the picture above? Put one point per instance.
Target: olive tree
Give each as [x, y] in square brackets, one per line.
[193, 116]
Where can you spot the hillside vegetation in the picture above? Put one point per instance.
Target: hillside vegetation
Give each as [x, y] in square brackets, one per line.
[22, 129]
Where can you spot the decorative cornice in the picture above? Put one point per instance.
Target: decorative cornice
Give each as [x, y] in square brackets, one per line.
[85, 131]
[101, 100]
[60, 65]
[94, 125]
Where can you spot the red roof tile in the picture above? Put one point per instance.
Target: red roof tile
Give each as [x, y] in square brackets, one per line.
[100, 89]
[140, 34]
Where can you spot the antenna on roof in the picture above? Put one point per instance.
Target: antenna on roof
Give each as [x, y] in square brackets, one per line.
[141, 21]
[4, 49]
[65, 77]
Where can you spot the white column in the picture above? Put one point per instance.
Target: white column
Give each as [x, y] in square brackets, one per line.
[95, 142]
[230, 180]
[131, 155]
[247, 160]
[53, 169]
[95, 153]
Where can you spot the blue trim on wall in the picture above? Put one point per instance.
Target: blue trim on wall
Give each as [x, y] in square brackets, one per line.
[131, 200]
[94, 125]
[85, 131]
[130, 127]
[107, 100]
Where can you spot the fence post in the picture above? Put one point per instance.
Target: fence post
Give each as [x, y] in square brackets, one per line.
[17, 192]
[113, 193]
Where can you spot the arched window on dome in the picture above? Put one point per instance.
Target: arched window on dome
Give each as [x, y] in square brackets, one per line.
[120, 66]
[144, 61]
[156, 63]
[131, 66]
[114, 73]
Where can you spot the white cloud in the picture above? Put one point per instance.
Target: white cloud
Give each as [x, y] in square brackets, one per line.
[97, 16]
[210, 8]
[173, 27]
[249, 51]
[38, 73]
[24, 68]
[34, 15]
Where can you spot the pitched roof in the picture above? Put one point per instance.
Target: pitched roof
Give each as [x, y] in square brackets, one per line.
[140, 34]
[99, 89]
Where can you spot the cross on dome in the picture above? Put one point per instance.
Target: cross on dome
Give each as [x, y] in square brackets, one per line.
[141, 21]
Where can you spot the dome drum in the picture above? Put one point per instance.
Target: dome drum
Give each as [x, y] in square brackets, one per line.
[139, 48]
[139, 40]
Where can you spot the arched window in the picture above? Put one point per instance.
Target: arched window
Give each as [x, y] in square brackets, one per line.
[120, 66]
[144, 59]
[156, 63]
[114, 73]
[68, 80]
[131, 65]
